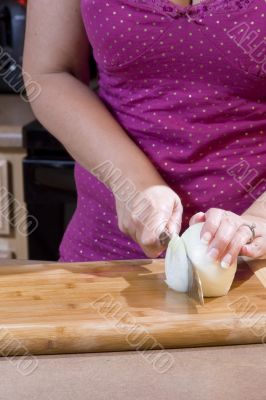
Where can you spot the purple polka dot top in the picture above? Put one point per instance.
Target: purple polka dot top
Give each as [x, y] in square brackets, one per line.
[188, 85]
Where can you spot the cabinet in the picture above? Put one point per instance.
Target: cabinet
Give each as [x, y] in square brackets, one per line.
[13, 241]
[4, 199]
[14, 114]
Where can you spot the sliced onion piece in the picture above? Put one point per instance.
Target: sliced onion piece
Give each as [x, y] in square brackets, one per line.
[176, 265]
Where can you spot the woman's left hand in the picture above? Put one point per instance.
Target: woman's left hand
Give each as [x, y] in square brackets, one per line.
[228, 235]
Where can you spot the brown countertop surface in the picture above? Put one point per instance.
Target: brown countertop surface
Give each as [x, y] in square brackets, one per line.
[14, 114]
[218, 373]
[207, 373]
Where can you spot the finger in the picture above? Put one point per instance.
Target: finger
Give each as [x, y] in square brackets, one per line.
[256, 249]
[150, 244]
[240, 238]
[197, 218]
[128, 224]
[224, 235]
[175, 222]
[148, 234]
[213, 219]
[152, 240]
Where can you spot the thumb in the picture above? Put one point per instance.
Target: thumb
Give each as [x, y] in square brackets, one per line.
[175, 222]
[256, 249]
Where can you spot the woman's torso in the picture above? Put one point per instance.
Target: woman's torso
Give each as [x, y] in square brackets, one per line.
[188, 84]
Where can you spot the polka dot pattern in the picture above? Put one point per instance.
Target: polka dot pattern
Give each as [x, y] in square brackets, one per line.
[188, 85]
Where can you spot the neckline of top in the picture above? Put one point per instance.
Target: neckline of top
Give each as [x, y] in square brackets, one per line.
[201, 9]
[202, 3]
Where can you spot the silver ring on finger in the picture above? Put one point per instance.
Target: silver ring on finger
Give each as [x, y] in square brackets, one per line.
[252, 229]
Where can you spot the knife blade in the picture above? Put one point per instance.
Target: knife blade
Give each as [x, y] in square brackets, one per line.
[194, 283]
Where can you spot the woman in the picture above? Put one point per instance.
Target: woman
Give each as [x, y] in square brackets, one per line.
[176, 131]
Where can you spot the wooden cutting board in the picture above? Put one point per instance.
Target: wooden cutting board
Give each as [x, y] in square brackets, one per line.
[122, 305]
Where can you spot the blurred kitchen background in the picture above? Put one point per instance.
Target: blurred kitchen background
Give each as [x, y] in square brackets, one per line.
[37, 190]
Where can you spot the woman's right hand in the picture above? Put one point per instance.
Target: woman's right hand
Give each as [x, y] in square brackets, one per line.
[148, 214]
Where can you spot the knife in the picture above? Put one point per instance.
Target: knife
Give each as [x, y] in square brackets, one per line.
[194, 283]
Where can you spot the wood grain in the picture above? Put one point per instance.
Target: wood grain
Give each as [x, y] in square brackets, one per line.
[259, 269]
[121, 305]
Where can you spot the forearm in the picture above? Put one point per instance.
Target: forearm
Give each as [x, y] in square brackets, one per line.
[77, 117]
[257, 210]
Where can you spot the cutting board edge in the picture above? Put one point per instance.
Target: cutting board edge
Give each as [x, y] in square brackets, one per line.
[57, 350]
[60, 340]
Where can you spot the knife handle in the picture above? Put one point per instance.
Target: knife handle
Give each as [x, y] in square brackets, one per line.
[164, 238]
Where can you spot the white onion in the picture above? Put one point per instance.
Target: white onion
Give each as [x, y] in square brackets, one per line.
[216, 281]
[176, 265]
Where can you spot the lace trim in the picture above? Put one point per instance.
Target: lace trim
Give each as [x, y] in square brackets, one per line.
[196, 11]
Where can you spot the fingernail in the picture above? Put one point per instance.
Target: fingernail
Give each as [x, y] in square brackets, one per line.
[200, 214]
[213, 254]
[245, 248]
[226, 261]
[206, 237]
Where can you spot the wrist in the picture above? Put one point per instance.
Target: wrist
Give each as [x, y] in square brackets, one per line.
[143, 185]
[125, 188]
[138, 183]
[250, 218]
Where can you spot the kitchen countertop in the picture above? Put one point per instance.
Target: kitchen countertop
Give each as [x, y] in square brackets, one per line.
[234, 372]
[206, 373]
[14, 114]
